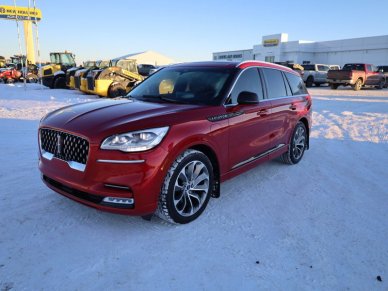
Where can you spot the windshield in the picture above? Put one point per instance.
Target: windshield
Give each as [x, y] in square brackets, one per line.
[62, 58]
[185, 85]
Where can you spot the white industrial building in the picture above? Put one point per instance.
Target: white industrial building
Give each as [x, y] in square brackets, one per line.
[277, 48]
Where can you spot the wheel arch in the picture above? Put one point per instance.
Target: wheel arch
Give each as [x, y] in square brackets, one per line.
[306, 124]
[210, 153]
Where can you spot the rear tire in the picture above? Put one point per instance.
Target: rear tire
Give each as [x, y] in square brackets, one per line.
[186, 188]
[59, 83]
[116, 90]
[298, 145]
[334, 86]
[357, 86]
[309, 81]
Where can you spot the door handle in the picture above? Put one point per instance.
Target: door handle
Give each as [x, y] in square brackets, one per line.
[293, 107]
[262, 112]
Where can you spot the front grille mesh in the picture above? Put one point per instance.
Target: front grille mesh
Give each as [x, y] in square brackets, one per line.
[64, 146]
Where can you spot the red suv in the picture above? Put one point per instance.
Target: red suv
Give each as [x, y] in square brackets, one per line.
[168, 145]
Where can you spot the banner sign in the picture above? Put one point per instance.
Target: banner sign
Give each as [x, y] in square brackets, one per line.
[271, 42]
[21, 13]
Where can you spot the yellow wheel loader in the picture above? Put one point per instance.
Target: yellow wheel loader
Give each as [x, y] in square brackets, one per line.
[54, 74]
[114, 81]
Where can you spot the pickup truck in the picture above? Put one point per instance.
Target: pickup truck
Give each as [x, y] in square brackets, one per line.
[315, 74]
[357, 76]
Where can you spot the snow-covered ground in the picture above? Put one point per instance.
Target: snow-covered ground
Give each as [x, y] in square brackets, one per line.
[318, 225]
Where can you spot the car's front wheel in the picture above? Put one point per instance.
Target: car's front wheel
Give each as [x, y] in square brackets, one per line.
[298, 145]
[187, 188]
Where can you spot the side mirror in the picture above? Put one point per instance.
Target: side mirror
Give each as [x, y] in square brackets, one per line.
[246, 97]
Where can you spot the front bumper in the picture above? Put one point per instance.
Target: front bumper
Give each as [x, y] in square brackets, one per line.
[107, 175]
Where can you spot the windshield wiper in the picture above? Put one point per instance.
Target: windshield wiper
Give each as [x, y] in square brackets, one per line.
[163, 98]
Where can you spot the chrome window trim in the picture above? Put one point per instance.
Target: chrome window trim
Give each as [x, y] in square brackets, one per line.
[121, 161]
[258, 67]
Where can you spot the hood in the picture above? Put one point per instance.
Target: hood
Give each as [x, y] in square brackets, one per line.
[105, 117]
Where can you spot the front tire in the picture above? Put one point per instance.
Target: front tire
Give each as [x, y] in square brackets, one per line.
[298, 145]
[187, 188]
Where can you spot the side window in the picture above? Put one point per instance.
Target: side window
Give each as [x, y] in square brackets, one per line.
[369, 68]
[275, 84]
[296, 84]
[250, 81]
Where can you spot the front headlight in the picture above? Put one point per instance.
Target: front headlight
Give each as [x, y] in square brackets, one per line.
[135, 141]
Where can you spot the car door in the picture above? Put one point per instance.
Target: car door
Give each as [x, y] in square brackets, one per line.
[286, 104]
[322, 73]
[372, 77]
[250, 126]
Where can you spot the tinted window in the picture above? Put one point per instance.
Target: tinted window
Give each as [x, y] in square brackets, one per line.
[356, 67]
[249, 80]
[275, 83]
[296, 84]
[323, 68]
[309, 67]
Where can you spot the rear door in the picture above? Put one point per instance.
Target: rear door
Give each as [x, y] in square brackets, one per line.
[288, 96]
[250, 126]
[372, 77]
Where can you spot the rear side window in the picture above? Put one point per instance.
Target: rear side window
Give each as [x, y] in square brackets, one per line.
[296, 84]
[275, 84]
[250, 81]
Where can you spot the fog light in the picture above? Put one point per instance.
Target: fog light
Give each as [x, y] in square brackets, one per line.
[119, 200]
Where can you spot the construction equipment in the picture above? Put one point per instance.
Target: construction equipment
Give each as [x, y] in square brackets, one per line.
[54, 74]
[83, 79]
[70, 73]
[114, 81]
[2, 62]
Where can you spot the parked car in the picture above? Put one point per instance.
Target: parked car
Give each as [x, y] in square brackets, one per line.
[357, 76]
[384, 70]
[315, 74]
[168, 145]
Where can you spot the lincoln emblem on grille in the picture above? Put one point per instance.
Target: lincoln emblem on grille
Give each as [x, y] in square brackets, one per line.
[59, 144]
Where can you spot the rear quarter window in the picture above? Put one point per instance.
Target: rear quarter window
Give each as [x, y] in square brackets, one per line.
[275, 83]
[296, 84]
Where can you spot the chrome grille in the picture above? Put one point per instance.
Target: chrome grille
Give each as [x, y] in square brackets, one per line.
[64, 146]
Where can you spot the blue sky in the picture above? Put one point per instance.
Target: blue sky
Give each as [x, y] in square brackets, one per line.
[190, 30]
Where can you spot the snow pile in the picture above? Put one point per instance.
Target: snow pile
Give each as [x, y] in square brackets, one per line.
[318, 225]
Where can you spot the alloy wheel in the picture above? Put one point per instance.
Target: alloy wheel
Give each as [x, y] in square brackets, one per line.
[299, 143]
[191, 188]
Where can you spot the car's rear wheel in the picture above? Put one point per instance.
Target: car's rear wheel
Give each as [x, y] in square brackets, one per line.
[357, 86]
[297, 145]
[187, 188]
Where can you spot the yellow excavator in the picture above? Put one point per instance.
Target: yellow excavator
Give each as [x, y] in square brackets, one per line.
[114, 81]
[54, 74]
